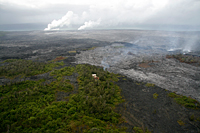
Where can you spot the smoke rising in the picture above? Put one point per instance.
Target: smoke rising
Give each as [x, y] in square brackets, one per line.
[90, 24]
[66, 20]
[131, 13]
[192, 44]
[184, 42]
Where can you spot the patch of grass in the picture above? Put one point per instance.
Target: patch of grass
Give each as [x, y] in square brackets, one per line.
[149, 85]
[181, 123]
[139, 130]
[185, 101]
[72, 51]
[172, 94]
[138, 84]
[59, 58]
[124, 79]
[155, 95]
[92, 48]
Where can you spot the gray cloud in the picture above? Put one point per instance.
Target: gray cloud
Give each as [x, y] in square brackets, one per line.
[184, 12]
[122, 13]
[12, 14]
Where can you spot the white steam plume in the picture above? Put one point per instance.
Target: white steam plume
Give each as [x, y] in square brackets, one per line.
[131, 14]
[192, 44]
[111, 15]
[90, 24]
[66, 20]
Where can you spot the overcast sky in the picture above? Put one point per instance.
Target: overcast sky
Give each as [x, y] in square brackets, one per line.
[100, 14]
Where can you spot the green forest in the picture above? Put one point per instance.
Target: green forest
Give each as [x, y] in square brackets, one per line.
[89, 105]
[31, 106]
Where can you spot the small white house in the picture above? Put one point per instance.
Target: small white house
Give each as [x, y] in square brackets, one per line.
[95, 76]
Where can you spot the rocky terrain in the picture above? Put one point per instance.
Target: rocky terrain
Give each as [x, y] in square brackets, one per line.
[146, 66]
[147, 76]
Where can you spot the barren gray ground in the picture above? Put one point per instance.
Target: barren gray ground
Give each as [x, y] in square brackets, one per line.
[138, 55]
[121, 51]
[166, 73]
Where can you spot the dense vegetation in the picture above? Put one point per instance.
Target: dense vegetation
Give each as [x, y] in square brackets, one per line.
[30, 106]
[15, 67]
[59, 73]
[185, 101]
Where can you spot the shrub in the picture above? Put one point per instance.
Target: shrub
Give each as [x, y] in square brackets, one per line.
[181, 123]
[191, 118]
[185, 101]
[72, 51]
[149, 85]
[155, 95]
[173, 95]
[139, 130]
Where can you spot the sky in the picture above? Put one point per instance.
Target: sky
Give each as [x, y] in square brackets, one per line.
[102, 14]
